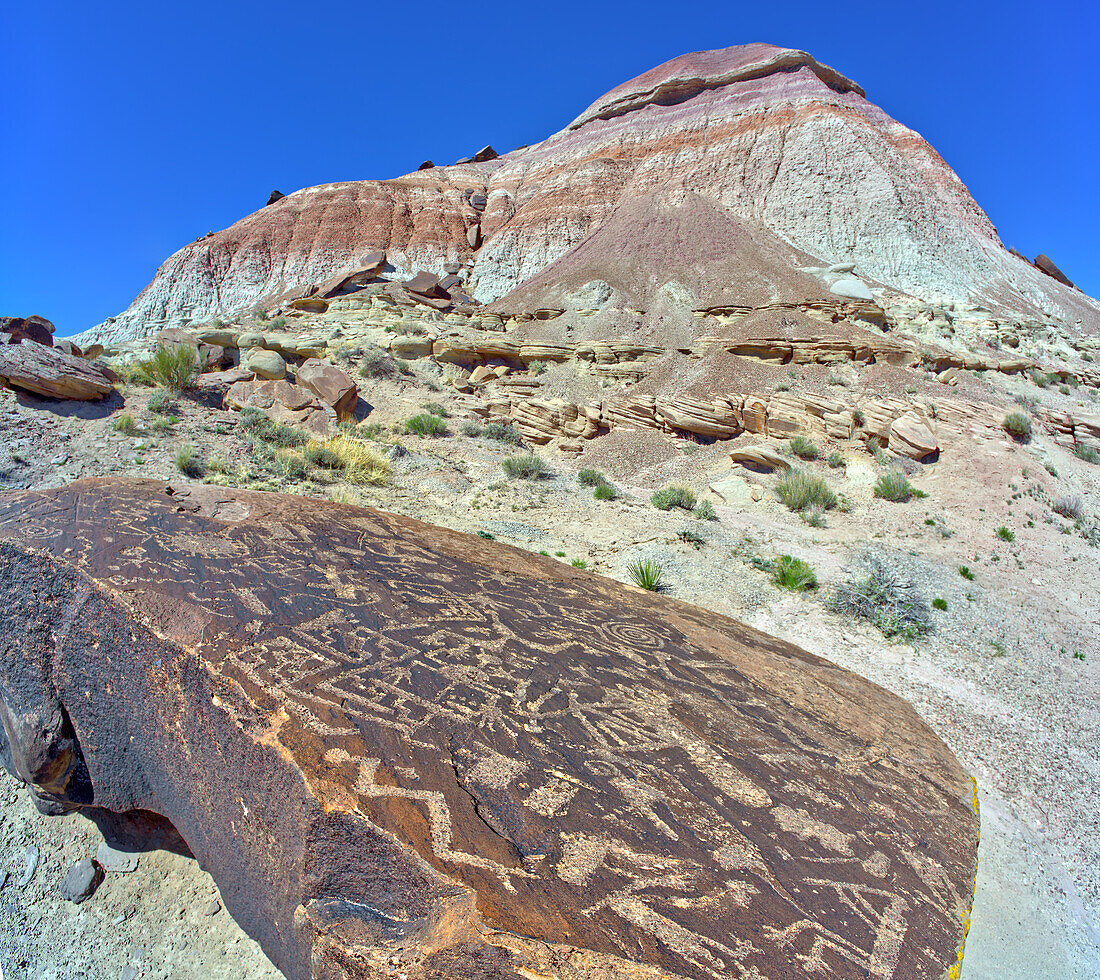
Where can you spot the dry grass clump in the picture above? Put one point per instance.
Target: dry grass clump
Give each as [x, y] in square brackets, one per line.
[172, 366]
[353, 459]
[794, 574]
[895, 486]
[1017, 425]
[673, 496]
[888, 601]
[804, 448]
[526, 466]
[800, 490]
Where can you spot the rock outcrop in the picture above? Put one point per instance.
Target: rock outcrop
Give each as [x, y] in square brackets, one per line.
[789, 182]
[51, 372]
[400, 749]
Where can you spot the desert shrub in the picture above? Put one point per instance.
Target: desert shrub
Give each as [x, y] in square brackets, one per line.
[486, 536]
[890, 603]
[793, 574]
[125, 424]
[471, 429]
[1087, 453]
[590, 478]
[940, 604]
[318, 454]
[673, 496]
[704, 511]
[813, 516]
[161, 402]
[804, 448]
[1017, 425]
[895, 486]
[376, 364]
[502, 432]
[171, 366]
[799, 490]
[425, 425]
[690, 537]
[188, 462]
[433, 408]
[357, 462]
[605, 491]
[278, 323]
[646, 573]
[836, 460]
[526, 466]
[1005, 534]
[966, 573]
[857, 416]
[579, 563]
[1068, 507]
[537, 367]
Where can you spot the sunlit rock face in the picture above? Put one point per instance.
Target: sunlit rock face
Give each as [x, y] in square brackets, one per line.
[763, 142]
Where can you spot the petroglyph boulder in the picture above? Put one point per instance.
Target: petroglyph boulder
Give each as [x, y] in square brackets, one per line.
[398, 748]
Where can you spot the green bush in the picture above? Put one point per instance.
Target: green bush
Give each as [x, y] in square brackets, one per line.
[813, 517]
[804, 448]
[895, 486]
[527, 466]
[965, 572]
[471, 429]
[1087, 453]
[590, 478]
[690, 537]
[439, 411]
[1005, 534]
[172, 366]
[579, 563]
[161, 402]
[646, 573]
[188, 463]
[1017, 425]
[704, 511]
[940, 604]
[799, 490]
[794, 574]
[125, 424]
[376, 364]
[502, 432]
[836, 460]
[673, 496]
[605, 491]
[425, 425]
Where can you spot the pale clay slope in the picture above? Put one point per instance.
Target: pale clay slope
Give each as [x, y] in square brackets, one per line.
[759, 133]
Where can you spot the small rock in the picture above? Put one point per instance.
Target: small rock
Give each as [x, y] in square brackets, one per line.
[396, 451]
[30, 855]
[128, 973]
[212, 908]
[114, 860]
[81, 881]
[266, 364]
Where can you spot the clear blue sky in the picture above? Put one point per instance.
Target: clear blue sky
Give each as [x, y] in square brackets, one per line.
[128, 130]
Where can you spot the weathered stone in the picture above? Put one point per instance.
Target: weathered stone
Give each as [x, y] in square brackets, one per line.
[426, 284]
[51, 372]
[36, 329]
[284, 402]
[68, 347]
[485, 154]
[1044, 264]
[114, 860]
[911, 436]
[760, 457]
[309, 304]
[852, 288]
[81, 881]
[426, 165]
[390, 742]
[329, 383]
[267, 364]
[274, 196]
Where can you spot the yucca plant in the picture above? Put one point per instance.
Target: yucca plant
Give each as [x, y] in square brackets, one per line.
[646, 573]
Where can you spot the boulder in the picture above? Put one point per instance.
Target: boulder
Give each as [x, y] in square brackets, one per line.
[68, 347]
[426, 165]
[36, 329]
[283, 402]
[349, 282]
[333, 386]
[398, 748]
[426, 284]
[910, 435]
[485, 154]
[473, 236]
[51, 372]
[761, 457]
[266, 364]
[1044, 264]
[852, 288]
[274, 196]
[309, 304]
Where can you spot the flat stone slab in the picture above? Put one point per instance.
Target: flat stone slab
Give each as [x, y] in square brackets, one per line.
[401, 749]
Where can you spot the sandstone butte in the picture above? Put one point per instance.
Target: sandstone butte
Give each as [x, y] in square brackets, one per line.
[717, 178]
[398, 748]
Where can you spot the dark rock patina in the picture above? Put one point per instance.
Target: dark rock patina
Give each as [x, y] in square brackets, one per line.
[392, 743]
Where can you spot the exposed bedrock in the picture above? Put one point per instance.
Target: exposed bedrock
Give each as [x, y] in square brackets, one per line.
[753, 153]
[401, 748]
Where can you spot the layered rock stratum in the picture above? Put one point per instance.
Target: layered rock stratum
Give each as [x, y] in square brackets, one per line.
[725, 174]
[399, 748]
